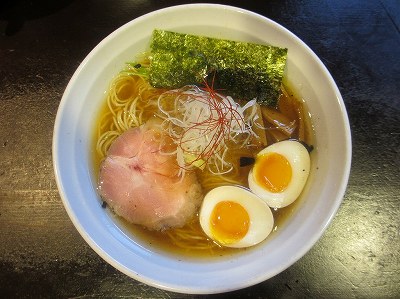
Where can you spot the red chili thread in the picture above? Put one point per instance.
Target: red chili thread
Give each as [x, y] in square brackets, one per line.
[221, 125]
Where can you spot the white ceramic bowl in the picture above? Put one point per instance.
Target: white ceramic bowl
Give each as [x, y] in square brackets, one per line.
[73, 168]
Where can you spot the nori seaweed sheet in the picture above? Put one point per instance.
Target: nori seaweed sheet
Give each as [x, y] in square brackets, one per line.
[244, 70]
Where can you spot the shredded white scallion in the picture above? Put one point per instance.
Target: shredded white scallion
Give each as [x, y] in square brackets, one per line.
[202, 122]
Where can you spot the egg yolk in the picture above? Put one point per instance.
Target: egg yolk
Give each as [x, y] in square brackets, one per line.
[229, 222]
[273, 172]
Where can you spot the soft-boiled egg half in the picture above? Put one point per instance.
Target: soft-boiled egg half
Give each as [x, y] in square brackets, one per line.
[280, 173]
[235, 217]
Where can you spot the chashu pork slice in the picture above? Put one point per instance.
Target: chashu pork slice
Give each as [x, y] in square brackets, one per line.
[141, 184]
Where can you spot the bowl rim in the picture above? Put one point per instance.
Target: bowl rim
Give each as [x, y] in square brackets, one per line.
[176, 287]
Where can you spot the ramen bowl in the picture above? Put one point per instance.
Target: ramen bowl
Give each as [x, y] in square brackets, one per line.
[76, 176]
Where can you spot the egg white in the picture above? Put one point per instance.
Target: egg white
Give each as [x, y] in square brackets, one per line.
[261, 218]
[299, 159]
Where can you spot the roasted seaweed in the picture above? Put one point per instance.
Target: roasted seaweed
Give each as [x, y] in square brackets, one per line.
[244, 70]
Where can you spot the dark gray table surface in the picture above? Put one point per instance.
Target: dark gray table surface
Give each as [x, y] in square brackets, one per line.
[42, 254]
